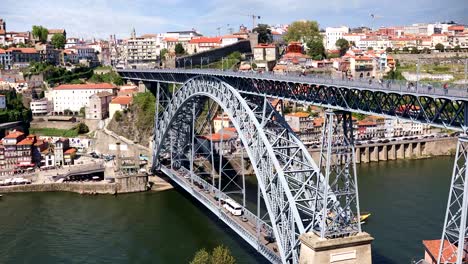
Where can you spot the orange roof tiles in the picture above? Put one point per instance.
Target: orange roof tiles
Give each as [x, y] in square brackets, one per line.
[15, 134]
[70, 151]
[122, 100]
[87, 86]
[299, 114]
[27, 141]
[433, 246]
[218, 137]
[205, 40]
[24, 50]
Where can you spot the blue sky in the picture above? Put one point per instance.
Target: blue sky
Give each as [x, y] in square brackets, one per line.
[100, 18]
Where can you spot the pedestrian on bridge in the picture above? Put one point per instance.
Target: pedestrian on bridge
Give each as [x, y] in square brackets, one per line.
[445, 88]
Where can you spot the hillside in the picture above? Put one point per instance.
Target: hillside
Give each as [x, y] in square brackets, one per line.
[138, 121]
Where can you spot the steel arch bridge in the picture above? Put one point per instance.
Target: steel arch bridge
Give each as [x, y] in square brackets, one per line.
[437, 107]
[295, 192]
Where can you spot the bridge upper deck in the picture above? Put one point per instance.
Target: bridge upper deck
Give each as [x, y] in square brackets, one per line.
[419, 102]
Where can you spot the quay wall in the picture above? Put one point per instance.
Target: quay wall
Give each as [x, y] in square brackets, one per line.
[418, 149]
[127, 184]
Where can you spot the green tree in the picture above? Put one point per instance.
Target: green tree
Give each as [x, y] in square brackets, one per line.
[414, 50]
[264, 33]
[439, 47]
[303, 31]
[220, 255]
[389, 49]
[162, 54]
[81, 128]
[58, 40]
[40, 33]
[342, 45]
[201, 257]
[82, 112]
[405, 49]
[426, 50]
[316, 49]
[179, 49]
[457, 48]
[370, 48]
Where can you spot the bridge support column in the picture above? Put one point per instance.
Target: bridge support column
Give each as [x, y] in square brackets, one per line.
[358, 155]
[392, 153]
[401, 152]
[350, 250]
[417, 151]
[455, 231]
[366, 158]
[409, 151]
[383, 155]
[375, 154]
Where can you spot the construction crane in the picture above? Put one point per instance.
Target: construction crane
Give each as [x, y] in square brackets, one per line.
[374, 17]
[254, 17]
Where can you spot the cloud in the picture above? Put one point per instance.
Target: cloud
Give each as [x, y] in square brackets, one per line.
[100, 18]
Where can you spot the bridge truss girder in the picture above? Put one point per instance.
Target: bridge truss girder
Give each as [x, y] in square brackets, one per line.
[290, 181]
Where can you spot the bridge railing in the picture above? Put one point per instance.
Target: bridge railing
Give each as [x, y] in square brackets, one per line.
[421, 87]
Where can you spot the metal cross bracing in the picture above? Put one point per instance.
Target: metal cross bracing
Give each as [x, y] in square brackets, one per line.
[289, 181]
[454, 242]
[337, 162]
[438, 107]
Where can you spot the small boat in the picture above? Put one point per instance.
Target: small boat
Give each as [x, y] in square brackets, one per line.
[364, 216]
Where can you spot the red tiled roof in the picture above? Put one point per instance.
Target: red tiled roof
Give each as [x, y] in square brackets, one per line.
[205, 40]
[457, 27]
[13, 135]
[56, 31]
[217, 137]
[265, 46]
[26, 141]
[70, 151]
[24, 50]
[170, 39]
[299, 114]
[433, 246]
[122, 100]
[2, 51]
[87, 86]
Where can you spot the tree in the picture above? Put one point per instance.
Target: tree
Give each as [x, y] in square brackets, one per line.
[414, 50]
[40, 33]
[316, 49]
[426, 50]
[439, 47]
[457, 48]
[220, 255]
[179, 49]
[370, 48]
[162, 54]
[201, 257]
[58, 40]
[264, 33]
[405, 49]
[81, 128]
[82, 112]
[342, 45]
[303, 31]
[389, 49]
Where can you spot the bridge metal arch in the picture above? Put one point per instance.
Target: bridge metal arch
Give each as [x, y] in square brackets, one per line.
[279, 199]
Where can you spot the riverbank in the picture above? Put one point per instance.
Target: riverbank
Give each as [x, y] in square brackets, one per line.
[122, 184]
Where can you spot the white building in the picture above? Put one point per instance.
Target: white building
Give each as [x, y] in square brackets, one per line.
[144, 49]
[333, 34]
[72, 97]
[119, 103]
[40, 107]
[2, 101]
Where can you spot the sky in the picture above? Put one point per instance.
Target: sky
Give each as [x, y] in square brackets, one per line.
[100, 18]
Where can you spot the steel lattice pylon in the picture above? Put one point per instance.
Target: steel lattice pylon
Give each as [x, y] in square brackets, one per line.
[337, 161]
[291, 183]
[453, 246]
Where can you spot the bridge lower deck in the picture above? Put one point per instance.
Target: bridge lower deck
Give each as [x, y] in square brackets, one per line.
[245, 225]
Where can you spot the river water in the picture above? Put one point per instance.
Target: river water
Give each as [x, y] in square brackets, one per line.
[407, 200]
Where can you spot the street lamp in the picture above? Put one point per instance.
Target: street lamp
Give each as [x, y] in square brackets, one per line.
[417, 74]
